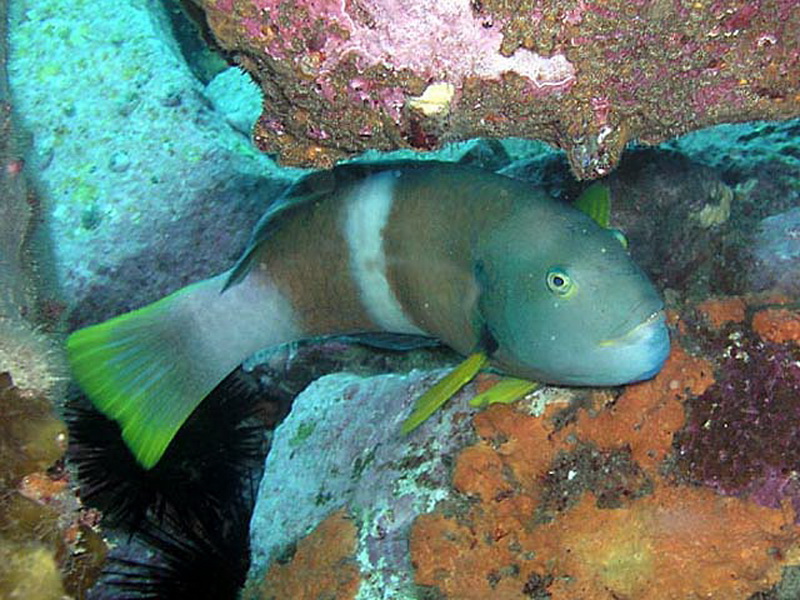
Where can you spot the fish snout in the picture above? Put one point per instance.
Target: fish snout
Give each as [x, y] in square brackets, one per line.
[641, 351]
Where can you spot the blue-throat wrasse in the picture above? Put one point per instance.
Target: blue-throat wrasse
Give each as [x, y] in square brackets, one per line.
[491, 266]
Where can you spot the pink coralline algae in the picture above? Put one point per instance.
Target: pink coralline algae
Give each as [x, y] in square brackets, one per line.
[584, 75]
[403, 34]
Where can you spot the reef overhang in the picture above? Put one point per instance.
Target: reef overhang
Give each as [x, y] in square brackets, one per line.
[341, 77]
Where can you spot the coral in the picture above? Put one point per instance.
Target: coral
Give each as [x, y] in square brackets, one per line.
[721, 311]
[567, 494]
[322, 565]
[31, 437]
[340, 448]
[25, 352]
[584, 75]
[31, 357]
[647, 414]
[675, 544]
[48, 545]
[29, 572]
[588, 499]
[681, 539]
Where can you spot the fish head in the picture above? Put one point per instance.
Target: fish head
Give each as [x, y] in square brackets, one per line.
[564, 303]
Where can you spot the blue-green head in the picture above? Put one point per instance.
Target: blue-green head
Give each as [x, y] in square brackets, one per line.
[564, 303]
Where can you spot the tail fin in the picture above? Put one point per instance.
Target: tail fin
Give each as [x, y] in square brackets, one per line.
[150, 368]
[138, 370]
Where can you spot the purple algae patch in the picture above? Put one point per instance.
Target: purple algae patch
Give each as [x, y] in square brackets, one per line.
[741, 436]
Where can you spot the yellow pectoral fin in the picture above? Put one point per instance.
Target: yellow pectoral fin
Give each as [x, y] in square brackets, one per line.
[505, 391]
[595, 201]
[443, 390]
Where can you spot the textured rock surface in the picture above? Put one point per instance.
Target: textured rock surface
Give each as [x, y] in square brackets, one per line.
[48, 547]
[147, 184]
[743, 150]
[584, 75]
[777, 253]
[340, 448]
[26, 353]
[740, 435]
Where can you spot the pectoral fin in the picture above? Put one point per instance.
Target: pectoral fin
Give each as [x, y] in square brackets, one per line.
[595, 201]
[443, 390]
[505, 391]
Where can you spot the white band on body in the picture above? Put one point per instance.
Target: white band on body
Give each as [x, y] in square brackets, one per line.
[367, 212]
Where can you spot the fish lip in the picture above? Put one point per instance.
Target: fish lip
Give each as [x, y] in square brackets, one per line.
[654, 318]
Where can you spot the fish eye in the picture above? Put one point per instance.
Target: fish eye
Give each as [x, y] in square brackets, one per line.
[559, 282]
[620, 237]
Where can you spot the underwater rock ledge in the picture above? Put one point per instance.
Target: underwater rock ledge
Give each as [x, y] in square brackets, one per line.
[583, 75]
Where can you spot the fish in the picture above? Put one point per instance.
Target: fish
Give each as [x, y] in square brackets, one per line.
[490, 266]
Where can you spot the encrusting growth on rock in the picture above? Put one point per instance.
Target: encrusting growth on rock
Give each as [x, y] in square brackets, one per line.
[321, 565]
[592, 501]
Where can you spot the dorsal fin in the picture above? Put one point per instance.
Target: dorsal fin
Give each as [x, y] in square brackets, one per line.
[311, 188]
[295, 197]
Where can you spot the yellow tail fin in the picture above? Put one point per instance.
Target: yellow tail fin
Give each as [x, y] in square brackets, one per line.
[142, 370]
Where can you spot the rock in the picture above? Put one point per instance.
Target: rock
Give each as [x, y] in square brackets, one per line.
[584, 76]
[340, 452]
[341, 447]
[236, 97]
[147, 185]
[777, 253]
[525, 500]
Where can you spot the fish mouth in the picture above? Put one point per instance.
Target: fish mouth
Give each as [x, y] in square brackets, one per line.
[631, 336]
